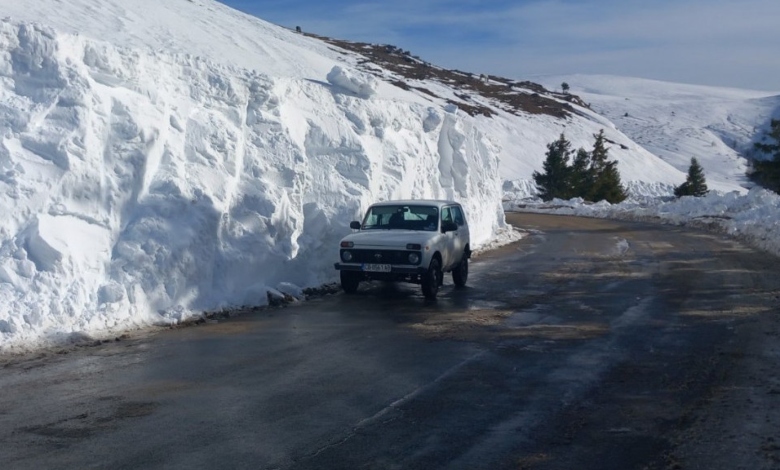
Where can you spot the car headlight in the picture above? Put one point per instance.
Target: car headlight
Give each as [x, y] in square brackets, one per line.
[414, 258]
[346, 256]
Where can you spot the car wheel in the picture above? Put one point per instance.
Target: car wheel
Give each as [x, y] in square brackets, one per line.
[349, 282]
[461, 273]
[431, 280]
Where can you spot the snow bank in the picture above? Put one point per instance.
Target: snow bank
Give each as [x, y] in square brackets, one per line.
[358, 83]
[205, 28]
[753, 218]
[142, 187]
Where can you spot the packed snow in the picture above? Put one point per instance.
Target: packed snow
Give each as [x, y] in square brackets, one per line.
[360, 84]
[160, 159]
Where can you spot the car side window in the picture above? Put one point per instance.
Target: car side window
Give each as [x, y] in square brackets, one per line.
[458, 215]
[446, 215]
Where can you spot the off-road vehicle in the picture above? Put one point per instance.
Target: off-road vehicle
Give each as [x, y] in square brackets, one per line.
[413, 241]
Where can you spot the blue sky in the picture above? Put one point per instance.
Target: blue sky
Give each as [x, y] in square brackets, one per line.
[710, 42]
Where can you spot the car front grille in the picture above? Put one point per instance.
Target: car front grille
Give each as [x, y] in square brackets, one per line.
[381, 256]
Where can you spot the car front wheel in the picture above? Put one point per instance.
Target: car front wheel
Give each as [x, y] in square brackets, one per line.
[431, 280]
[461, 273]
[349, 282]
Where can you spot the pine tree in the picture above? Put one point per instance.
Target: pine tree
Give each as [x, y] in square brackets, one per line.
[695, 184]
[774, 133]
[565, 87]
[609, 187]
[591, 176]
[554, 182]
[605, 176]
[767, 172]
[581, 174]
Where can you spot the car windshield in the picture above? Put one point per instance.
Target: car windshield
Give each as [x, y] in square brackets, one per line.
[402, 217]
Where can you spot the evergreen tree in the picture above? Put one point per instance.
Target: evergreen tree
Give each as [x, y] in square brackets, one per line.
[767, 172]
[606, 184]
[599, 154]
[554, 182]
[695, 184]
[591, 176]
[581, 174]
[774, 133]
[565, 87]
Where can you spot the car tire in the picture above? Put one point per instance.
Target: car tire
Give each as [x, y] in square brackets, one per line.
[461, 272]
[431, 280]
[349, 282]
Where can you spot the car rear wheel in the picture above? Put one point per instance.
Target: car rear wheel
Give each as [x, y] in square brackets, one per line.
[431, 280]
[349, 282]
[461, 273]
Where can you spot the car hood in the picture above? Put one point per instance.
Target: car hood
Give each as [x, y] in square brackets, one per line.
[389, 238]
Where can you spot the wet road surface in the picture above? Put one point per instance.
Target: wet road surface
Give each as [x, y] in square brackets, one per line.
[589, 344]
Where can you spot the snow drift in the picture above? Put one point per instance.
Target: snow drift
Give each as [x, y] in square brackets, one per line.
[361, 85]
[138, 186]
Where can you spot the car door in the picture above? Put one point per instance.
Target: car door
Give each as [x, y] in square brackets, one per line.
[462, 235]
[450, 239]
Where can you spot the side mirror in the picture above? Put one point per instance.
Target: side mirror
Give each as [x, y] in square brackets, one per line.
[354, 225]
[448, 227]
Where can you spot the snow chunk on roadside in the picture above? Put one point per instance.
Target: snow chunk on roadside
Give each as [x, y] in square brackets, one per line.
[292, 290]
[358, 83]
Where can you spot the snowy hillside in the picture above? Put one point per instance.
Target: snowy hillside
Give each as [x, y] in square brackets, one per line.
[164, 157]
[141, 184]
[521, 118]
[205, 28]
[675, 121]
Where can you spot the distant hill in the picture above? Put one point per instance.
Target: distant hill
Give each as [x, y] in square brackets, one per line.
[677, 121]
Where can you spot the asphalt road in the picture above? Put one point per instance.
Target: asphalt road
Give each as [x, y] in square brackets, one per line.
[589, 344]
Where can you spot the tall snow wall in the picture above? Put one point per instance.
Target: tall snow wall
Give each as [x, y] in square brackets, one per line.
[137, 187]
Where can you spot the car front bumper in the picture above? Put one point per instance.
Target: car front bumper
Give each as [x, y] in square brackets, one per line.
[393, 269]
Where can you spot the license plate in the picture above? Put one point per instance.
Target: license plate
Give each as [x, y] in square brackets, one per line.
[377, 268]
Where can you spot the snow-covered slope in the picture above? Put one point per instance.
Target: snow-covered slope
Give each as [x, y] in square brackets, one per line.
[524, 145]
[205, 28]
[521, 118]
[676, 121]
[139, 184]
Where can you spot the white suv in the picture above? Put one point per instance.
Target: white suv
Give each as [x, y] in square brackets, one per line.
[408, 241]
